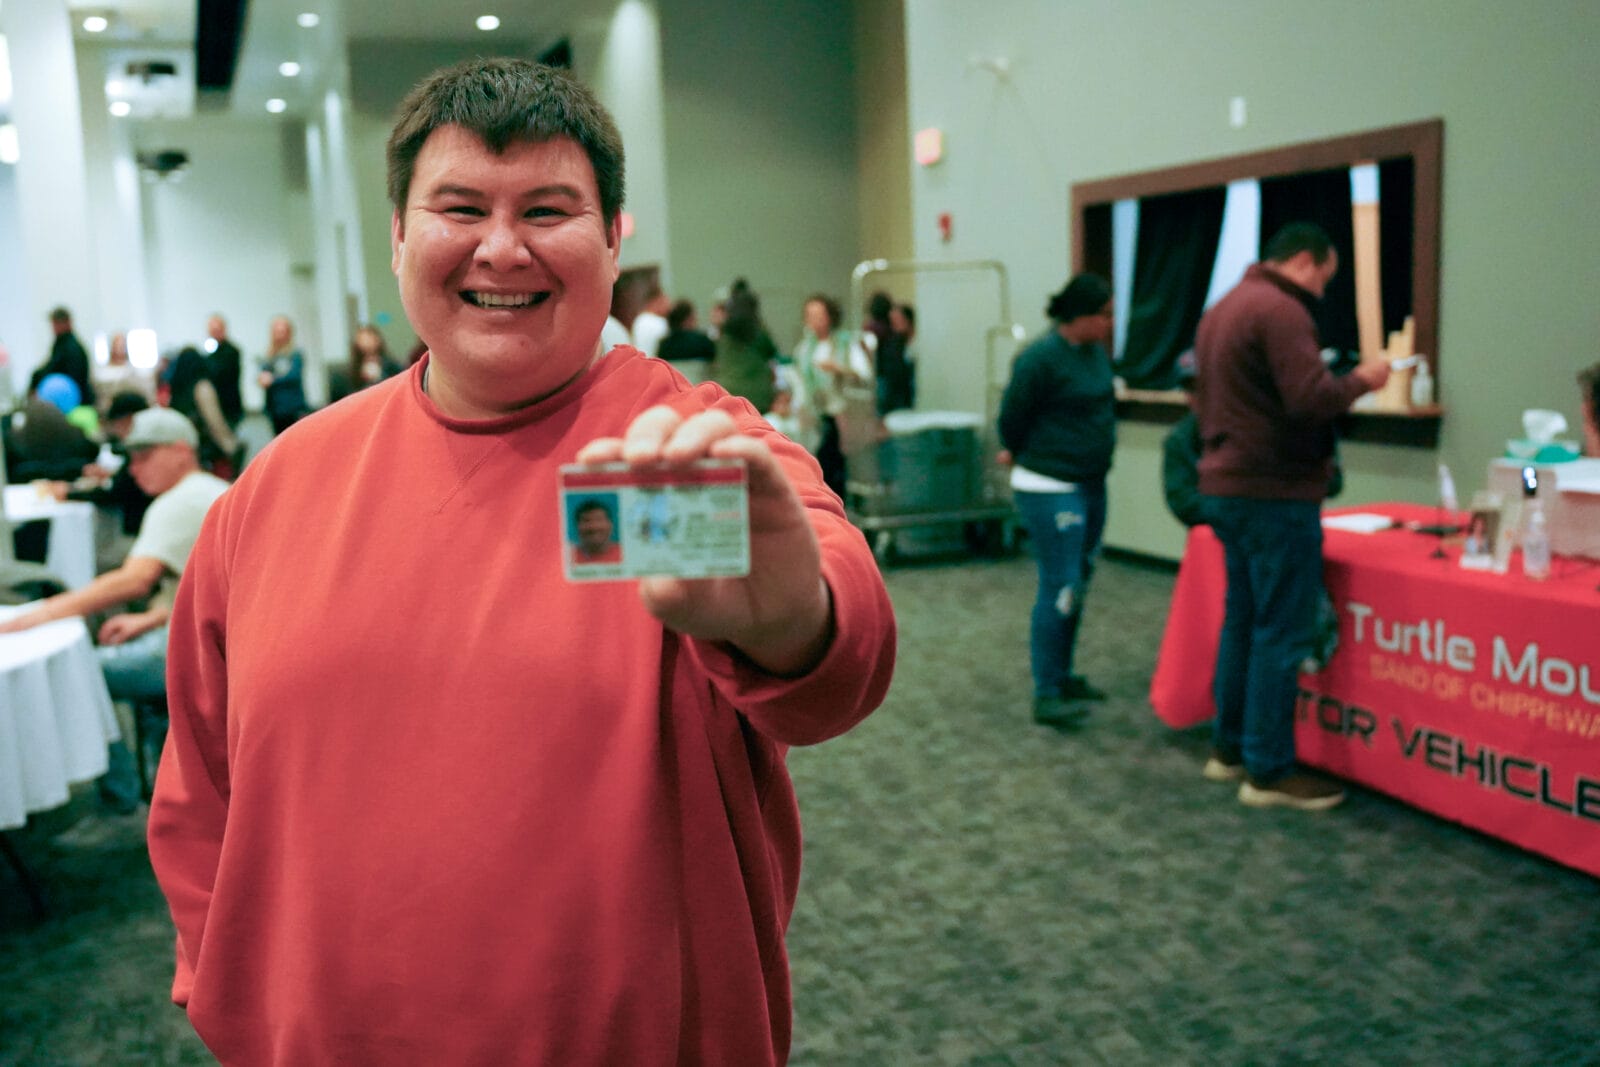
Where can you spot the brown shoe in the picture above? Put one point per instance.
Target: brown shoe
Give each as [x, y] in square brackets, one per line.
[1297, 789]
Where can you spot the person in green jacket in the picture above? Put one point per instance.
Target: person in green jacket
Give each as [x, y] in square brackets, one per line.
[743, 363]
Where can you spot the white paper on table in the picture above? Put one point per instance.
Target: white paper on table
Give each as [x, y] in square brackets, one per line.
[1363, 522]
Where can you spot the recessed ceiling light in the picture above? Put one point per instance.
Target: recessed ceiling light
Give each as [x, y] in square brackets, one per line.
[121, 108]
[289, 70]
[115, 88]
[276, 105]
[308, 19]
[95, 24]
[488, 22]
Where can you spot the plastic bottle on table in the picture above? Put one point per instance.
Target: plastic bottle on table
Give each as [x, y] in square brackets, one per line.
[1422, 386]
[1535, 541]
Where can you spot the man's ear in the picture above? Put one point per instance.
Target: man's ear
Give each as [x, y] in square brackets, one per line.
[614, 242]
[397, 237]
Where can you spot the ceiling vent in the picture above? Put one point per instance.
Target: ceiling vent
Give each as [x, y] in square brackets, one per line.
[148, 70]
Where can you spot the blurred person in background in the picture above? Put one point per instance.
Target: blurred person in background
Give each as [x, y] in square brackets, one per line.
[194, 396]
[1059, 428]
[888, 348]
[40, 440]
[112, 484]
[225, 369]
[369, 364]
[827, 361]
[903, 319]
[67, 354]
[118, 375]
[686, 346]
[282, 376]
[743, 364]
[650, 325]
[1267, 406]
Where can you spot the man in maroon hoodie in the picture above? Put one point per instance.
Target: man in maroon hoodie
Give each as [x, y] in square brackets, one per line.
[1266, 404]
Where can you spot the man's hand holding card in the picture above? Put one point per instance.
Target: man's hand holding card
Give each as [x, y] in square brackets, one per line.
[779, 614]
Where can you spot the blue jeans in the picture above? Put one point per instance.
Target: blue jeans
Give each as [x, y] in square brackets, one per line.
[137, 671]
[1065, 529]
[1274, 560]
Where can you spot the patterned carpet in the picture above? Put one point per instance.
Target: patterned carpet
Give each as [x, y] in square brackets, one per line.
[978, 890]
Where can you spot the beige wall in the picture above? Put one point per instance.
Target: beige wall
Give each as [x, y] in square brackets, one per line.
[884, 163]
[1095, 88]
[760, 150]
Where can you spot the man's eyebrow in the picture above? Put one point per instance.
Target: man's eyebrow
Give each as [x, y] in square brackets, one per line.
[554, 189]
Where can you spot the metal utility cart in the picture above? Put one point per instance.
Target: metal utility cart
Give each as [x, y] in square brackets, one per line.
[916, 470]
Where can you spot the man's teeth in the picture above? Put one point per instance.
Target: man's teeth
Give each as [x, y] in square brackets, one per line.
[504, 300]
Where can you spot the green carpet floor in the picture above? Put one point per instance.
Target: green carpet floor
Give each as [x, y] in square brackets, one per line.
[978, 890]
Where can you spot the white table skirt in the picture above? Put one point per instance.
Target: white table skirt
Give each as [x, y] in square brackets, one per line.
[55, 716]
[71, 549]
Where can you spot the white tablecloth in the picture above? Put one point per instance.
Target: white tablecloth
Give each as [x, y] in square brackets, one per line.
[55, 716]
[71, 551]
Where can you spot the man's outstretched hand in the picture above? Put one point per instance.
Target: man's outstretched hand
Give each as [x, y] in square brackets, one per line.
[780, 615]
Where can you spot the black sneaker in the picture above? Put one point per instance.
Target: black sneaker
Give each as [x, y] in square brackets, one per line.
[1058, 713]
[1077, 687]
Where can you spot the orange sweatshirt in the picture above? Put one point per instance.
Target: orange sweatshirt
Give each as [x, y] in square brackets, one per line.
[425, 802]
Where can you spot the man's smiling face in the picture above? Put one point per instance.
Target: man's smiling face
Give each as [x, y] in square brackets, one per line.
[506, 265]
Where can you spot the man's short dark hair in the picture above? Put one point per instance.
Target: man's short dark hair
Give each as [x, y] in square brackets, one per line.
[60, 314]
[501, 101]
[1295, 238]
[681, 313]
[592, 505]
[124, 404]
[1086, 294]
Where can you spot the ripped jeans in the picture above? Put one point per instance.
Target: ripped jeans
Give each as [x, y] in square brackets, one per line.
[1065, 529]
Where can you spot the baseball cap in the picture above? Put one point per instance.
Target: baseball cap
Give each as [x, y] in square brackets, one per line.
[160, 426]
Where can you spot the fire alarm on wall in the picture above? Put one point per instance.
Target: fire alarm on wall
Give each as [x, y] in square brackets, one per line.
[945, 224]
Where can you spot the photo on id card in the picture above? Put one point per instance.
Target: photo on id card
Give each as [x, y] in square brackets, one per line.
[622, 522]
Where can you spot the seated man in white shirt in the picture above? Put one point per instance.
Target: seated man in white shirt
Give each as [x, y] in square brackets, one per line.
[162, 448]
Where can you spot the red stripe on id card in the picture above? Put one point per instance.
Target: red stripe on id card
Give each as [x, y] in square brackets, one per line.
[650, 476]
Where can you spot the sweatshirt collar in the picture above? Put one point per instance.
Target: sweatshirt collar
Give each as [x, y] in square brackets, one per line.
[1262, 272]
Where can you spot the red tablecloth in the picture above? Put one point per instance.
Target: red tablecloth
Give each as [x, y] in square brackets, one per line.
[1472, 695]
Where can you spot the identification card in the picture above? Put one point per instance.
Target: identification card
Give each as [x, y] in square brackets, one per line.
[681, 522]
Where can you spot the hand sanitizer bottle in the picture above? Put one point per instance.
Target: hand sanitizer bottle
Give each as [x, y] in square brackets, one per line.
[1422, 385]
[1535, 531]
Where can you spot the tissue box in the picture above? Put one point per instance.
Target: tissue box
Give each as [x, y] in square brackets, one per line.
[1549, 452]
[1570, 492]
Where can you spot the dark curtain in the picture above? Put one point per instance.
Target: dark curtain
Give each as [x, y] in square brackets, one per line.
[1176, 250]
[1322, 197]
[1396, 226]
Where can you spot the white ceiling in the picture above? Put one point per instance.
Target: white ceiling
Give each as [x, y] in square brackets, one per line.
[165, 29]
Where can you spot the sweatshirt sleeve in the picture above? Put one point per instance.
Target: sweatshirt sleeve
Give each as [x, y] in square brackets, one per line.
[190, 804]
[1310, 392]
[854, 674]
[1017, 405]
